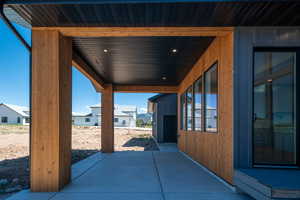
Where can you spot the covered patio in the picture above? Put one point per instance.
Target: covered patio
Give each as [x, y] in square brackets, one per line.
[139, 175]
[177, 46]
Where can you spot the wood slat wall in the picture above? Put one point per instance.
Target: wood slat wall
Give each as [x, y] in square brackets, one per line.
[213, 150]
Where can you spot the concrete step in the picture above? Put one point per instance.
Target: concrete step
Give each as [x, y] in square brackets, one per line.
[262, 184]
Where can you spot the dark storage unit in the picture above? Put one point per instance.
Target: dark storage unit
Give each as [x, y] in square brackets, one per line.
[164, 108]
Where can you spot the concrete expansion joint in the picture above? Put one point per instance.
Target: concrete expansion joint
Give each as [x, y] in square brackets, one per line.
[158, 176]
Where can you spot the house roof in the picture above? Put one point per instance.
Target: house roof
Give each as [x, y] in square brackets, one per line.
[22, 110]
[148, 60]
[120, 110]
[75, 114]
[120, 113]
[156, 97]
[125, 108]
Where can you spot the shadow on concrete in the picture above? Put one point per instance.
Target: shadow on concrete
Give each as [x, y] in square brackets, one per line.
[17, 171]
[146, 142]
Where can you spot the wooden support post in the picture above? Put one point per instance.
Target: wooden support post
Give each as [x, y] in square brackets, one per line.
[107, 119]
[51, 111]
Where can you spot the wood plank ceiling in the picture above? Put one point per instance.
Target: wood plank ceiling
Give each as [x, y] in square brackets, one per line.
[150, 60]
[142, 60]
[205, 13]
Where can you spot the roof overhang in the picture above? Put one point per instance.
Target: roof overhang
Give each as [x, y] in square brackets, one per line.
[140, 35]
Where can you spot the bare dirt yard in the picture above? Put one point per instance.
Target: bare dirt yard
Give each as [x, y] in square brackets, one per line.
[14, 151]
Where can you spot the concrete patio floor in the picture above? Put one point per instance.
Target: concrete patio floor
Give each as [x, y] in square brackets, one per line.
[138, 176]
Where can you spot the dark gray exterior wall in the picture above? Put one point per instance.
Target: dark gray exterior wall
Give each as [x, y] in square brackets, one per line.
[245, 40]
[154, 123]
[165, 105]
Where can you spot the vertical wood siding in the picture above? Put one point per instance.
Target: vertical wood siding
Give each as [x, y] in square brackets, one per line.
[213, 150]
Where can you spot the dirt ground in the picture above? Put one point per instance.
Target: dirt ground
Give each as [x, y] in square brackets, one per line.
[14, 150]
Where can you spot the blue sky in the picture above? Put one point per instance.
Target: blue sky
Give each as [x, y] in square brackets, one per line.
[14, 77]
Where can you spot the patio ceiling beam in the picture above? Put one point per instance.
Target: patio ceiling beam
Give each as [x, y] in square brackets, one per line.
[145, 89]
[79, 63]
[139, 31]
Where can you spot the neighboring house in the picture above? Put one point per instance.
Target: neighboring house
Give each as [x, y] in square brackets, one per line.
[13, 114]
[80, 119]
[124, 116]
[164, 109]
[211, 117]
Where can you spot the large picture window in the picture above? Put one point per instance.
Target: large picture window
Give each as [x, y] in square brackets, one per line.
[198, 94]
[189, 101]
[211, 99]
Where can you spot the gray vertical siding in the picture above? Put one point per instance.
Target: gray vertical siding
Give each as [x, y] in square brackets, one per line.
[244, 42]
[166, 105]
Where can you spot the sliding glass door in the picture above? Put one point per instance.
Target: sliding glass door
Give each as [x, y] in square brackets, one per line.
[274, 107]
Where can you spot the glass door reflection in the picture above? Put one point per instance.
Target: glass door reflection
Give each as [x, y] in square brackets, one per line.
[274, 114]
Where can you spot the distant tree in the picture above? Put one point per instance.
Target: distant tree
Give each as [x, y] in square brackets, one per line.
[139, 123]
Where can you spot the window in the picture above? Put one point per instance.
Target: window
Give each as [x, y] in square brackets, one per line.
[87, 119]
[4, 119]
[116, 120]
[27, 120]
[183, 111]
[211, 99]
[124, 122]
[189, 109]
[274, 107]
[198, 104]
[18, 120]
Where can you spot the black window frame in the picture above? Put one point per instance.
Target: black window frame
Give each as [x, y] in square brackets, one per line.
[27, 120]
[183, 115]
[215, 64]
[297, 110]
[183, 99]
[192, 109]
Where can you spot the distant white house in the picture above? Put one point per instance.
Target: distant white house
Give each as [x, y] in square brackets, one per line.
[84, 119]
[124, 116]
[211, 118]
[12, 114]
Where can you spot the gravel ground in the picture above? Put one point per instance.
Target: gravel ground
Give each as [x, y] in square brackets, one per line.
[14, 151]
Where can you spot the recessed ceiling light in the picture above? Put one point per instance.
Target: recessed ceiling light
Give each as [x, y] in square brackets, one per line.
[174, 50]
[105, 50]
[164, 78]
